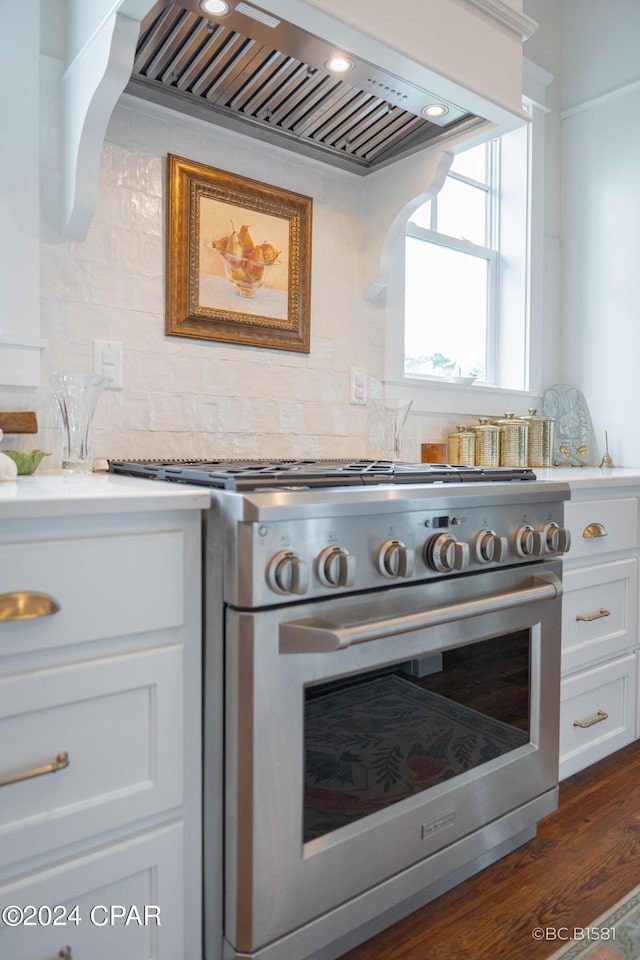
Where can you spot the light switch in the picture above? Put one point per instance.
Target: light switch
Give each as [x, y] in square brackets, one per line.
[358, 385]
[107, 362]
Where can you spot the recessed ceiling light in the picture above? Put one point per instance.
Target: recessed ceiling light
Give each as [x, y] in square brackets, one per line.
[435, 110]
[340, 63]
[214, 8]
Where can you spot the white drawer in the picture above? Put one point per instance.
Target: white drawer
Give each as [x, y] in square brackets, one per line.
[599, 613]
[143, 871]
[616, 522]
[119, 719]
[106, 586]
[610, 690]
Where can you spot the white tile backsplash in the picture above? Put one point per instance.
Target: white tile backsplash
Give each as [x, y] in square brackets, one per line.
[186, 397]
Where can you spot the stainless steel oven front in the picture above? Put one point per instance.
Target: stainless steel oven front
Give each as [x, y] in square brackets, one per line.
[381, 702]
[377, 745]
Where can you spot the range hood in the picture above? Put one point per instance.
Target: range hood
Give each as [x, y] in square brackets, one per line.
[255, 73]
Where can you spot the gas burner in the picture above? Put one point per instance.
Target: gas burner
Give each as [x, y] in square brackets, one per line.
[259, 474]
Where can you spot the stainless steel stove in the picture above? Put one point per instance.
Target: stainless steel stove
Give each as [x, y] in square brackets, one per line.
[382, 656]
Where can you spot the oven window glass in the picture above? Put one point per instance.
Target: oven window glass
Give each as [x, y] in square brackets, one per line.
[380, 737]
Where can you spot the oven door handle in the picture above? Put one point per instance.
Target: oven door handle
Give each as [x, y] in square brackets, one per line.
[318, 635]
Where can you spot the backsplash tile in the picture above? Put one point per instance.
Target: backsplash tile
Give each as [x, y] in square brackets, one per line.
[185, 397]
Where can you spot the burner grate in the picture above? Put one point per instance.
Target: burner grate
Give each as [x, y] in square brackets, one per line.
[260, 474]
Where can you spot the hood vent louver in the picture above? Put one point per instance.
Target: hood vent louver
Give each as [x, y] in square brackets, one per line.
[271, 82]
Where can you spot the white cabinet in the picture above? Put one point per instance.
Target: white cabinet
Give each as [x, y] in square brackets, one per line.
[105, 585]
[603, 526]
[599, 631]
[119, 723]
[599, 612]
[597, 713]
[100, 725]
[86, 893]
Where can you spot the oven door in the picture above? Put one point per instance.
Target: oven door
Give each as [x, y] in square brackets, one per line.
[368, 733]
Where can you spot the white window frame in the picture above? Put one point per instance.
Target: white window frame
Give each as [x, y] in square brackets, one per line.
[486, 252]
[438, 396]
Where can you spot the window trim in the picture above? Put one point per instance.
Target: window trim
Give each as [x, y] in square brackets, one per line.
[432, 395]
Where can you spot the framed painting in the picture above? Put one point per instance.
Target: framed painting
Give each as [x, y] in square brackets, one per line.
[238, 259]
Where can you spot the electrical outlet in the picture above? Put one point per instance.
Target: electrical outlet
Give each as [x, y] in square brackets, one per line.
[358, 385]
[107, 362]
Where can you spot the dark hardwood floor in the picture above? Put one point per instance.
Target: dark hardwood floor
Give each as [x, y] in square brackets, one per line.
[585, 857]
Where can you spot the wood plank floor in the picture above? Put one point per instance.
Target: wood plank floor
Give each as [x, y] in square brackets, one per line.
[585, 857]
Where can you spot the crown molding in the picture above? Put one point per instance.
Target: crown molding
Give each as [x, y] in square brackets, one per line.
[504, 14]
[601, 100]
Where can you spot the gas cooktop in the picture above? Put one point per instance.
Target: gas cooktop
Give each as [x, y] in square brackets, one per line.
[260, 474]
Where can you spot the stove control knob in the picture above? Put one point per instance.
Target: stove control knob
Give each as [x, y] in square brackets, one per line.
[394, 560]
[529, 542]
[557, 539]
[488, 547]
[335, 567]
[287, 573]
[444, 553]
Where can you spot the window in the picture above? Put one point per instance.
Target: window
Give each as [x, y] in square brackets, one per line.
[504, 255]
[466, 269]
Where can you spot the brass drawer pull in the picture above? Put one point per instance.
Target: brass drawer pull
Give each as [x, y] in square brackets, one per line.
[594, 530]
[65, 953]
[593, 616]
[599, 717]
[60, 762]
[26, 605]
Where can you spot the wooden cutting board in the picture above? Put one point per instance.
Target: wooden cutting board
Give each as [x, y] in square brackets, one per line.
[23, 422]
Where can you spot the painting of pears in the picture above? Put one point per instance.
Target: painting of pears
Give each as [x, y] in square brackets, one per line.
[246, 261]
[244, 255]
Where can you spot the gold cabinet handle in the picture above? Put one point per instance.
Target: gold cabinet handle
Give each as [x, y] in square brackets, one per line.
[65, 953]
[599, 717]
[26, 605]
[60, 762]
[594, 530]
[588, 617]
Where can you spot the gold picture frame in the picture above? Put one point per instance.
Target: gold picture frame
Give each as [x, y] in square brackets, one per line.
[238, 259]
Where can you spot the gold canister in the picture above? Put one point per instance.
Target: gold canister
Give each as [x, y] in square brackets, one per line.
[462, 447]
[540, 444]
[514, 439]
[487, 443]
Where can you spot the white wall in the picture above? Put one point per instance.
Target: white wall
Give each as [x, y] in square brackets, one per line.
[601, 189]
[544, 49]
[19, 247]
[600, 47]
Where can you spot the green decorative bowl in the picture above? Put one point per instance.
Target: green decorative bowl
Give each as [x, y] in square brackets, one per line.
[26, 463]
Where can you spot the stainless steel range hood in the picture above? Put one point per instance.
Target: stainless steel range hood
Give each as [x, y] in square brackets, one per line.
[257, 74]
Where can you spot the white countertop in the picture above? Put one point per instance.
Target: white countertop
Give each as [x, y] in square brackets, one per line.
[584, 478]
[62, 494]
